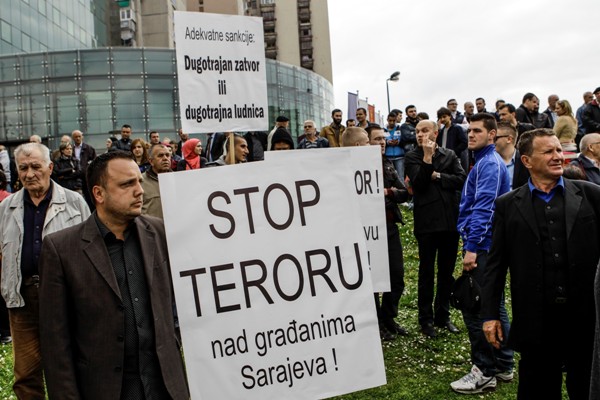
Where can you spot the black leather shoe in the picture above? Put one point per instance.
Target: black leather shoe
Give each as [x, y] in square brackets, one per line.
[449, 326]
[394, 327]
[400, 330]
[428, 330]
[385, 334]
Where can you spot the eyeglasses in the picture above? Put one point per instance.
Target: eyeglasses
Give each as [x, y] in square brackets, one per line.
[498, 137]
[307, 126]
[452, 104]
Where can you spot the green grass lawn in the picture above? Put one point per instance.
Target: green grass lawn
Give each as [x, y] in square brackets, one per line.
[417, 368]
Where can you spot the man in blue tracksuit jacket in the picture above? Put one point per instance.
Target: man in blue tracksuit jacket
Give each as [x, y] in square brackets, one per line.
[487, 181]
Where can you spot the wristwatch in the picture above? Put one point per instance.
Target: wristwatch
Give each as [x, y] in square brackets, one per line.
[438, 176]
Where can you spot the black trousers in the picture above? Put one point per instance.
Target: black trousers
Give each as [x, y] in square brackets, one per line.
[561, 343]
[445, 246]
[388, 310]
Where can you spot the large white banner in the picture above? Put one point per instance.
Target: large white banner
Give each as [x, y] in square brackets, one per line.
[366, 175]
[271, 280]
[221, 72]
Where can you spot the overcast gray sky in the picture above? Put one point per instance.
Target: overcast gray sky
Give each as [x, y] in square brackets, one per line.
[464, 49]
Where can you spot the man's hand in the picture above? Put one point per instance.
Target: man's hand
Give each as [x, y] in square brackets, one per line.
[428, 150]
[493, 332]
[469, 261]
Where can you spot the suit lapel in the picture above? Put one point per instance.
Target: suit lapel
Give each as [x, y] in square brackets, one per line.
[572, 205]
[95, 249]
[148, 248]
[524, 205]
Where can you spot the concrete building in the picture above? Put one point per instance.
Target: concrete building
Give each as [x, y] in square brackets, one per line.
[296, 31]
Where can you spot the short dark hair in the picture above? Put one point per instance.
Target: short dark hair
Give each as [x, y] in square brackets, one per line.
[443, 111]
[448, 102]
[511, 108]
[507, 126]
[96, 172]
[350, 119]
[362, 108]
[423, 115]
[392, 114]
[395, 110]
[489, 121]
[371, 128]
[408, 107]
[528, 96]
[335, 110]
[126, 126]
[499, 101]
[480, 98]
[151, 132]
[525, 143]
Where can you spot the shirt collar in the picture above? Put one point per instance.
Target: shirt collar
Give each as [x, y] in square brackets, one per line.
[47, 197]
[560, 185]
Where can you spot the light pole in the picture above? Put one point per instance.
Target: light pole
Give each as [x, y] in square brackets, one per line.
[394, 78]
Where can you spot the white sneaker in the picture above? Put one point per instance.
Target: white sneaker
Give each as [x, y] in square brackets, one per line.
[474, 382]
[505, 376]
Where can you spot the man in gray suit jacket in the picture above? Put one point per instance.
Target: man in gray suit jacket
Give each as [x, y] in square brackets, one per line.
[106, 302]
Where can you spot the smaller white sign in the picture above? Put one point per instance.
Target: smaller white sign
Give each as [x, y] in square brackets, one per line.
[365, 176]
[221, 72]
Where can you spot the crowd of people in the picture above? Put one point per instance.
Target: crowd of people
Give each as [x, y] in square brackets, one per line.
[519, 187]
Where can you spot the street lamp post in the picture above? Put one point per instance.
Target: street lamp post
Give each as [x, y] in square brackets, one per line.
[394, 78]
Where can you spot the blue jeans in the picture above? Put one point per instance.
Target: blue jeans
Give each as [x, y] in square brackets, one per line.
[399, 165]
[487, 358]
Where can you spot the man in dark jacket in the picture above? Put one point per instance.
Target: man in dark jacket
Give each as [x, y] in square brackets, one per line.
[589, 158]
[437, 177]
[125, 142]
[452, 136]
[257, 145]
[408, 136]
[529, 112]
[394, 194]
[591, 114]
[85, 154]
[547, 235]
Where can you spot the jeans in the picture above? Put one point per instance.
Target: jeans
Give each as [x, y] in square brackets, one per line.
[24, 326]
[445, 246]
[487, 358]
[399, 166]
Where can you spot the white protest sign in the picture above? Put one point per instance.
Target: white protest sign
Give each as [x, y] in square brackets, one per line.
[271, 280]
[221, 72]
[366, 178]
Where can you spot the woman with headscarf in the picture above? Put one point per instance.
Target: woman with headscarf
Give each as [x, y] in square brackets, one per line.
[191, 155]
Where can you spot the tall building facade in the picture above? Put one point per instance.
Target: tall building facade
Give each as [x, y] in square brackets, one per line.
[296, 31]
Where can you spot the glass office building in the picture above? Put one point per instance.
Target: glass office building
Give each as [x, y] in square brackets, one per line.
[97, 90]
[28, 26]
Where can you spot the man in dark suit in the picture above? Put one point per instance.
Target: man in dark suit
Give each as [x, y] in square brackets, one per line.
[85, 154]
[436, 177]
[505, 141]
[214, 146]
[547, 234]
[106, 304]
